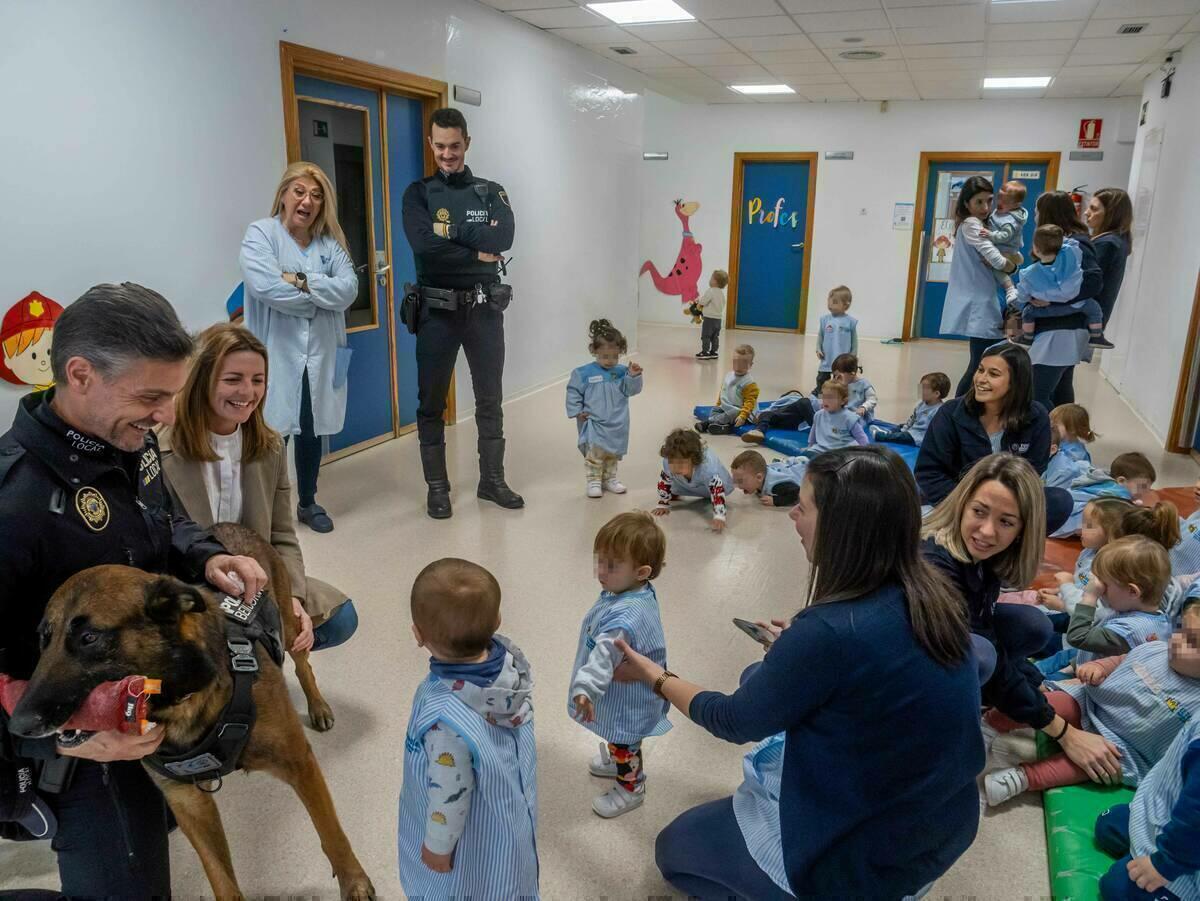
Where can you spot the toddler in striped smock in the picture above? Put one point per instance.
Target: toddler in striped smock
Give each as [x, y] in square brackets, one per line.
[468, 806]
[629, 551]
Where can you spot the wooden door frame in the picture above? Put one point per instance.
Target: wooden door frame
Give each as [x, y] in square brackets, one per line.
[1190, 348]
[1050, 159]
[296, 59]
[735, 234]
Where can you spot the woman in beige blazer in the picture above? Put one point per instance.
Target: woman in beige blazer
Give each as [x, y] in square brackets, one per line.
[223, 463]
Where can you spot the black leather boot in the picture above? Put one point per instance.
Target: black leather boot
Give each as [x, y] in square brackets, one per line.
[491, 475]
[433, 462]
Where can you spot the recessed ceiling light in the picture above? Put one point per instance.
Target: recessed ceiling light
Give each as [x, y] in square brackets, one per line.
[861, 54]
[761, 89]
[1032, 81]
[642, 12]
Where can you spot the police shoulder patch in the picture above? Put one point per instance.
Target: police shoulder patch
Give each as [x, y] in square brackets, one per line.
[503, 195]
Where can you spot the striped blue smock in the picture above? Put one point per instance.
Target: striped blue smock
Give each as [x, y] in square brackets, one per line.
[1151, 808]
[496, 858]
[1185, 556]
[629, 711]
[756, 807]
[790, 469]
[1140, 707]
[1135, 626]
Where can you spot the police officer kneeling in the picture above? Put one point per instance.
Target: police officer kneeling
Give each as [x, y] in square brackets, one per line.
[81, 485]
[458, 226]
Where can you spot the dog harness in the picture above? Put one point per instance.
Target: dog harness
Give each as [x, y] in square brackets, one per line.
[219, 753]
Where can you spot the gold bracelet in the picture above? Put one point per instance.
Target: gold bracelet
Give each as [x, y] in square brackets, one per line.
[666, 674]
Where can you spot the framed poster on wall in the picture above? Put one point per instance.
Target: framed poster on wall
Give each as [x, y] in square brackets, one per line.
[940, 251]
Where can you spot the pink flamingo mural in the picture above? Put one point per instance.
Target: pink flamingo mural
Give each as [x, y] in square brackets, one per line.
[683, 277]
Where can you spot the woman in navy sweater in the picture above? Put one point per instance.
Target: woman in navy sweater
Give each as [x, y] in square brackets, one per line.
[1109, 217]
[869, 706]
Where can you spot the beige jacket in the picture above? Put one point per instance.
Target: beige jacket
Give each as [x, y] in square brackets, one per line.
[266, 508]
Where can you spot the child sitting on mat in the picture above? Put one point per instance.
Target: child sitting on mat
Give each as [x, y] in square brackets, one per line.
[1070, 434]
[1130, 476]
[934, 388]
[738, 398]
[834, 425]
[689, 469]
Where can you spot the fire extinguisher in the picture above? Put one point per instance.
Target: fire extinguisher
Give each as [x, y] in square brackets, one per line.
[1077, 199]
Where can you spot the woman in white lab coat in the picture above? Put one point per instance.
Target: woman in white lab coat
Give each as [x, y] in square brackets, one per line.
[299, 282]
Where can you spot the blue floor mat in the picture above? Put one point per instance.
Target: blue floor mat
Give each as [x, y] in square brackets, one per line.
[791, 442]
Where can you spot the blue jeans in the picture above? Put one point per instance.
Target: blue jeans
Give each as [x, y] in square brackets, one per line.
[342, 623]
[985, 657]
[1112, 837]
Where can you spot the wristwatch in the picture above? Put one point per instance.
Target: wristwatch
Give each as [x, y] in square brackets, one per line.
[302, 281]
[666, 674]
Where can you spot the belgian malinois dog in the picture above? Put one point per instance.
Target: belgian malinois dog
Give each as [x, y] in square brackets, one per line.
[109, 622]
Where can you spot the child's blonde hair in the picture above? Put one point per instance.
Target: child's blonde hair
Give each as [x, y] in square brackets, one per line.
[633, 537]
[1108, 512]
[1135, 560]
[721, 277]
[751, 461]
[456, 606]
[744, 350]
[1014, 189]
[841, 294]
[683, 444]
[1133, 465]
[1159, 523]
[1074, 420]
[835, 387]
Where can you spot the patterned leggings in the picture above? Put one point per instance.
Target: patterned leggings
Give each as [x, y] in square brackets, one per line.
[628, 759]
[600, 465]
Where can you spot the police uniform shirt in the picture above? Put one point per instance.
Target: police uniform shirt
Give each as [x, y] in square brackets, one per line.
[68, 502]
[467, 206]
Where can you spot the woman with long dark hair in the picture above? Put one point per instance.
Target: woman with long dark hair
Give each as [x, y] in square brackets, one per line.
[1061, 343]
[972, 303]
[1109, 217]
[865, 709]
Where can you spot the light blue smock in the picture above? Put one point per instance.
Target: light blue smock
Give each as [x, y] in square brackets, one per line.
[301, 330]
[1064, 467]
[972, 305]
[604, 395]
[1152, 806]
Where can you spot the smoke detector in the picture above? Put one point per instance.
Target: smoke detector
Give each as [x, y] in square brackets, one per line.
[860, 55]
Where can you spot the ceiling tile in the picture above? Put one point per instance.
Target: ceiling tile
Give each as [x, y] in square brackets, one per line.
[565, 17]
[1119, 9]
[728, 9]
[773, 42]
[952, 34]
[901, 4]
[829, 92]
[716, 59]
[843, 21]
[888, 91]
[654, 64]
[1178, 42]
[510, 5]
[1132, 48]
[856, 81]
[1008, 69]
[1193, 25]
[1040, 31]
[768, 57]
[605, 34]
[851, 67]
[1030, 48]
[1107, 28]
[642, 59]
[796, 81]
[937, 16]
[781, 98]
[672, 31]
[1059, 11]
[1128, 88]
[828, 6]
[949, 92]
[740, 28]
[732, 74]
[1082, 87]
[943, 65]
[798, 68]
[921, 79]
[1117, 73]
[942, 51]
[1003, 61]
[871, 38]
[704, 45]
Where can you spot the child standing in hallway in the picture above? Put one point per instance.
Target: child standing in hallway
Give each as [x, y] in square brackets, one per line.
[712, 307]
[836, 335]
[598, 399]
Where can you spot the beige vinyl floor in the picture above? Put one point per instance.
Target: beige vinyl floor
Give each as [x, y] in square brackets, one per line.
[542, 558]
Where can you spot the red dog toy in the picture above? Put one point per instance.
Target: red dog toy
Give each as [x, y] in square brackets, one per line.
[111, 705]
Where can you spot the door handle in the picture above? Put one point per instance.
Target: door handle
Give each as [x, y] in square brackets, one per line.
[801, 244]
[383, 270]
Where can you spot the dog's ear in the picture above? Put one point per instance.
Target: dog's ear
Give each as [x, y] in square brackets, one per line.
[168, 599]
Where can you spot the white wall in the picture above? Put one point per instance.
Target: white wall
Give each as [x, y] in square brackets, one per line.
[140, 138]
[1154, 308]
[862, 251]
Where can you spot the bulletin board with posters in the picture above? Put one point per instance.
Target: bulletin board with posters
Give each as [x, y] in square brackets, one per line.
[940, 252]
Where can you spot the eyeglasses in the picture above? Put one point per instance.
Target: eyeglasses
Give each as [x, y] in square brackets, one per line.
[317, 195]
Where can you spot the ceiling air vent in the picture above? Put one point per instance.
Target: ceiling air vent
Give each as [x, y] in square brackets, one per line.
[1134, 28]
[860, 55]
[624, 51]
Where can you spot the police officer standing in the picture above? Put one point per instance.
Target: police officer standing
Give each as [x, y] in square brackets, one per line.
[81, 485]
[458, 226]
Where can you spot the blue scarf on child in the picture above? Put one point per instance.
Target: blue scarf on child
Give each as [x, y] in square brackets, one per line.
[481, 674]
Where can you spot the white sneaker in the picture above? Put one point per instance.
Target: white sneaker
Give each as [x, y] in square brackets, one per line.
[1013, 748]
[594, 489]
[614, 485]
[618, 800]
[990, 735]
[602, 764]
[1004, 785]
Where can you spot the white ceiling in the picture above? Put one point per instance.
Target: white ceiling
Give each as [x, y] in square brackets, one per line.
[932, 49]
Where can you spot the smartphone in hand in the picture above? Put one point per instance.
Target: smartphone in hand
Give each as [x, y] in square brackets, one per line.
[755, 631]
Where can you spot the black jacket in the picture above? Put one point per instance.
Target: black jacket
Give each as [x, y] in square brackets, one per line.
[956, 440]
[468, 205]
[1112, 252]
[1013, 688]
[69, 502]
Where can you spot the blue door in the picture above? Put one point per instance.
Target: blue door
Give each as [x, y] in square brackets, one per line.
[941, 194]
[340, 132]
[406, 164]
[771, 275]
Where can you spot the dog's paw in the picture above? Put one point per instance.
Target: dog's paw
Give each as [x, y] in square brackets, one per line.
[320, 715]
[357, 888]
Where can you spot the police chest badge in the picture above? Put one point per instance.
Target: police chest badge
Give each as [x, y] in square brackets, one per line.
[443, 215]
[93, 508]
